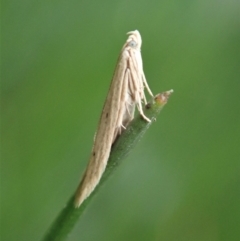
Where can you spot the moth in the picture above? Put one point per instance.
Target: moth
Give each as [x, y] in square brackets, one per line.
[126, 92]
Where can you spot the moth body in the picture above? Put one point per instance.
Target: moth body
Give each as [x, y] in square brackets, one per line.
[126, 92]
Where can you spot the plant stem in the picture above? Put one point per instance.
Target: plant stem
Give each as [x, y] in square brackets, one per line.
[68, 217]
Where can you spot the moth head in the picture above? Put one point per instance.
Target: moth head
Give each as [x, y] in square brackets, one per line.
[132, 44]
[134, 40]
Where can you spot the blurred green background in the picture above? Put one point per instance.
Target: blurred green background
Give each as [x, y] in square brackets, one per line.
[182, 181]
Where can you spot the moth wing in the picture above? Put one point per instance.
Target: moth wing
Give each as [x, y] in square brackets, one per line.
[109, 127]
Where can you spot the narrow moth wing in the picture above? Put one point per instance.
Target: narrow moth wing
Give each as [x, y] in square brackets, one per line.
[126, 92]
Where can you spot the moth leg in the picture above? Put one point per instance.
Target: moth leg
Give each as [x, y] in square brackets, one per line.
[136, 64]
[140, 73]
[130, 113]
[144, 99]
[139, 106]
[138, 99]
[146, 84]
[123, 127]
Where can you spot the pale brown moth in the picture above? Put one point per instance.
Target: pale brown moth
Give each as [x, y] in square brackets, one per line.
[126, 92]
